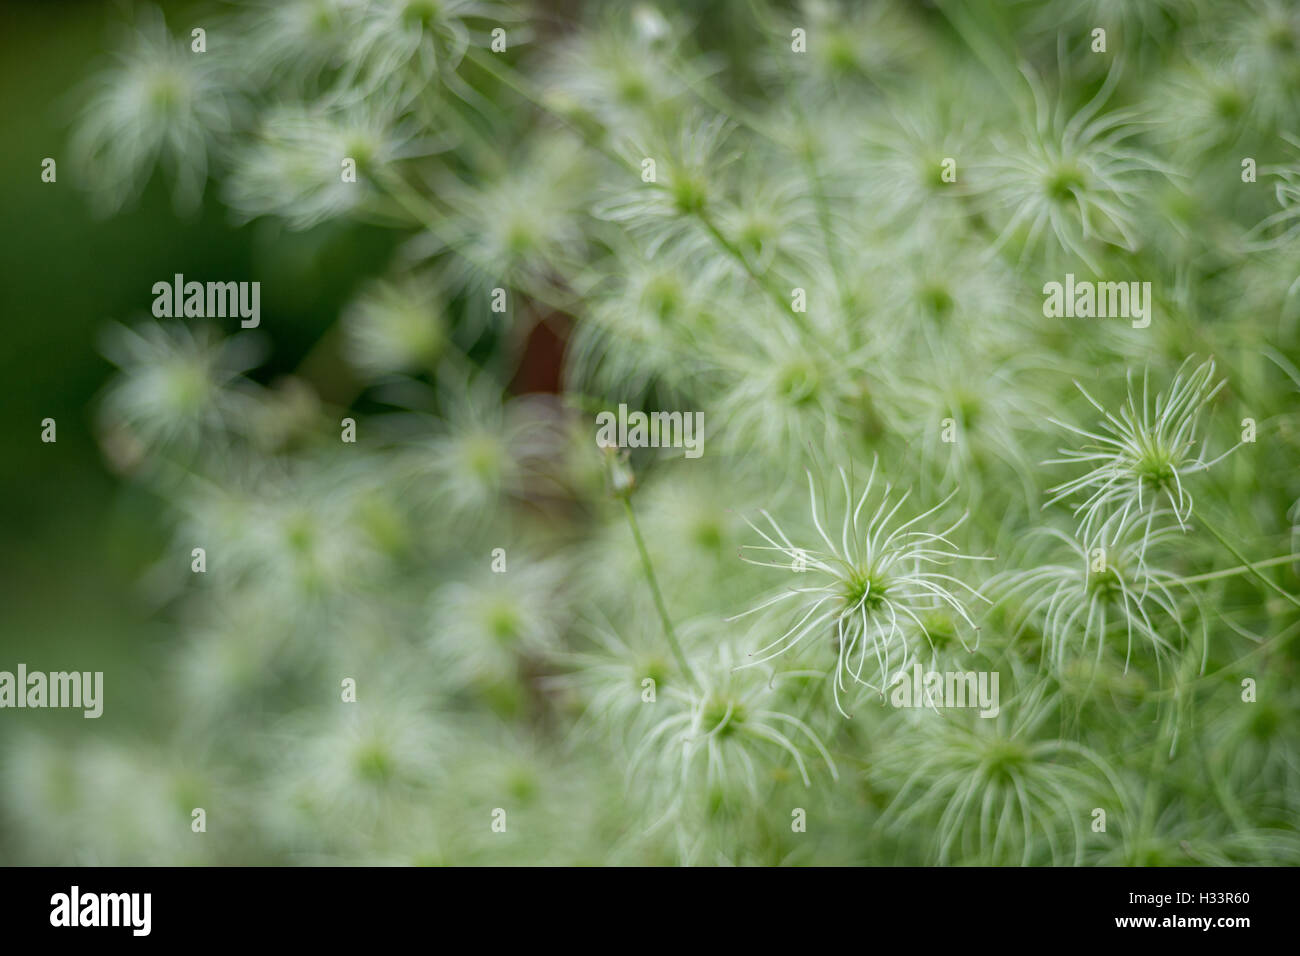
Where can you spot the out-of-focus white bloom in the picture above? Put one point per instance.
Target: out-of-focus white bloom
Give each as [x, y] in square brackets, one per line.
[313, 537]
[771, 224]
[609, 680]
[161, 104]
[402, 46]
[782, 388]
[396, 326]
[1140, 457]
[681, 202]
[966, 418]
[288, 529]
[1283, 226]
[345, 768]
[1253, 744]
[101, 803]
[1263, 40]
[649, 318]
[1132, 23]
[695, 512]
[994, 791]
[1076, 178]
[866, 591]
[625, 72]
[484, 448]
[908, 149]
[179, 387]
[509, 795]
[1206, 106]
[519, 228]
[297, 42]
[232, 657]
[484, 628]
[1107, 587]
[295, 167]
[942, 291]
[710, 748]
[846, 42]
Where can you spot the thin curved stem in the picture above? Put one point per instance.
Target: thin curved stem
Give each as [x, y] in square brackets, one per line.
[1229, 572]
[1240, 557]
[658, 596]
[761, 279]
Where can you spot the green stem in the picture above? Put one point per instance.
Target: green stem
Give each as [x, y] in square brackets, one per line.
[1240, 557]
[822, 206]
[1150, 793]
[505, 76]
[717, 100]
[1231, 805]
[734, 251]
[1212, 575]
[654, 590]
[424, 212]
[490, 64]
[1275, 643]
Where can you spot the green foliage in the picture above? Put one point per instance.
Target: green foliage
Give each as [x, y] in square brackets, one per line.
[906, 460]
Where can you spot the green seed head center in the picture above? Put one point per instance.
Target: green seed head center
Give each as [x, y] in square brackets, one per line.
[1105, 584]
[1002, 760]
[1155, 469]
[798, 381]
[937, 300]
[422, 13]
[1064, 182]
[504, 622]
[373, 763]
[689, 194]
[483, 456]
[722, 716]
[865, 589]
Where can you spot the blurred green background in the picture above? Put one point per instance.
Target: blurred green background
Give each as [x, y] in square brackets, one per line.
[80, 572]
[77, 543]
